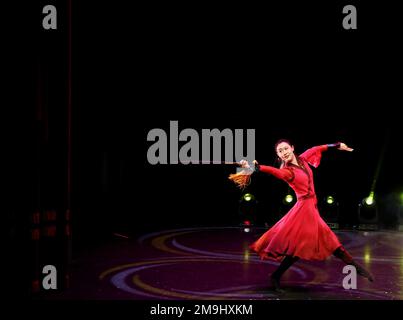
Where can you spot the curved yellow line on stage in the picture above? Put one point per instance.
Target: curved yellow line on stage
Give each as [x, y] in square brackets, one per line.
[129, 265]
[136, 264]
[166, 293]
[159, 243]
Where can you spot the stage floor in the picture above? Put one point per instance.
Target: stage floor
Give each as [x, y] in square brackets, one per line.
[215, 263]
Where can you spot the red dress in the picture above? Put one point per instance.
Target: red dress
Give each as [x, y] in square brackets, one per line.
[301, 232]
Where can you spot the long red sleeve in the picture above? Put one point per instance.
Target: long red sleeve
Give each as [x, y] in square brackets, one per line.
[314, 155]
[284, 174]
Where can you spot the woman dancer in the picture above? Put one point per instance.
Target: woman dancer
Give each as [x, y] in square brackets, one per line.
[301, 233]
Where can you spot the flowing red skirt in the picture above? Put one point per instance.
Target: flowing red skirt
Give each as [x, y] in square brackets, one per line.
[301, 233]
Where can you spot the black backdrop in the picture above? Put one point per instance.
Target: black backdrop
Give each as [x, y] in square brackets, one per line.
[286, 70]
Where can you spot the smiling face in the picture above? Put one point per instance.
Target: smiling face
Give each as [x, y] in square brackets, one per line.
[285, 151]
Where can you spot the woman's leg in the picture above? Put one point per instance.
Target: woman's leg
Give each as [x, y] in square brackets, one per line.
[343, 254]
[287, 262]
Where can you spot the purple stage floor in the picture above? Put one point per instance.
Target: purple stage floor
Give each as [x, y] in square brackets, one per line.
[215, 263]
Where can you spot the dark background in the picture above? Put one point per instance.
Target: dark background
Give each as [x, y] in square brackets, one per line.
[287, 70]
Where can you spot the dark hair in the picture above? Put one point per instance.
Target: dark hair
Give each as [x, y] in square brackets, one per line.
[281, 141]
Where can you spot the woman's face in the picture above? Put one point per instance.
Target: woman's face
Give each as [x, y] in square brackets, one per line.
[285, 152]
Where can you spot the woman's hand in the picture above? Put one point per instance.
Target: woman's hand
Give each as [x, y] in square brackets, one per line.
[344, 147]
[244, 163]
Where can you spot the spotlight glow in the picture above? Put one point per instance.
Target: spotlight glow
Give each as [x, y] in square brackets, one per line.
[248, 197]
[329, 200]
[367, 254]
[288, 198]
[370, 200]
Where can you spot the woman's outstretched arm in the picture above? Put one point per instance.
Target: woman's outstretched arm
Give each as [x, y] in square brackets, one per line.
[283, 174]
[313, 155]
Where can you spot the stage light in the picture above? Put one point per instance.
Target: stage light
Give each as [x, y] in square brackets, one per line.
[368, 216]
[248, 197]
[286, 202]
[399, 207]
[247, 211]
[329, 200]
[289, 198]
[329, 210]
[370, 200]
